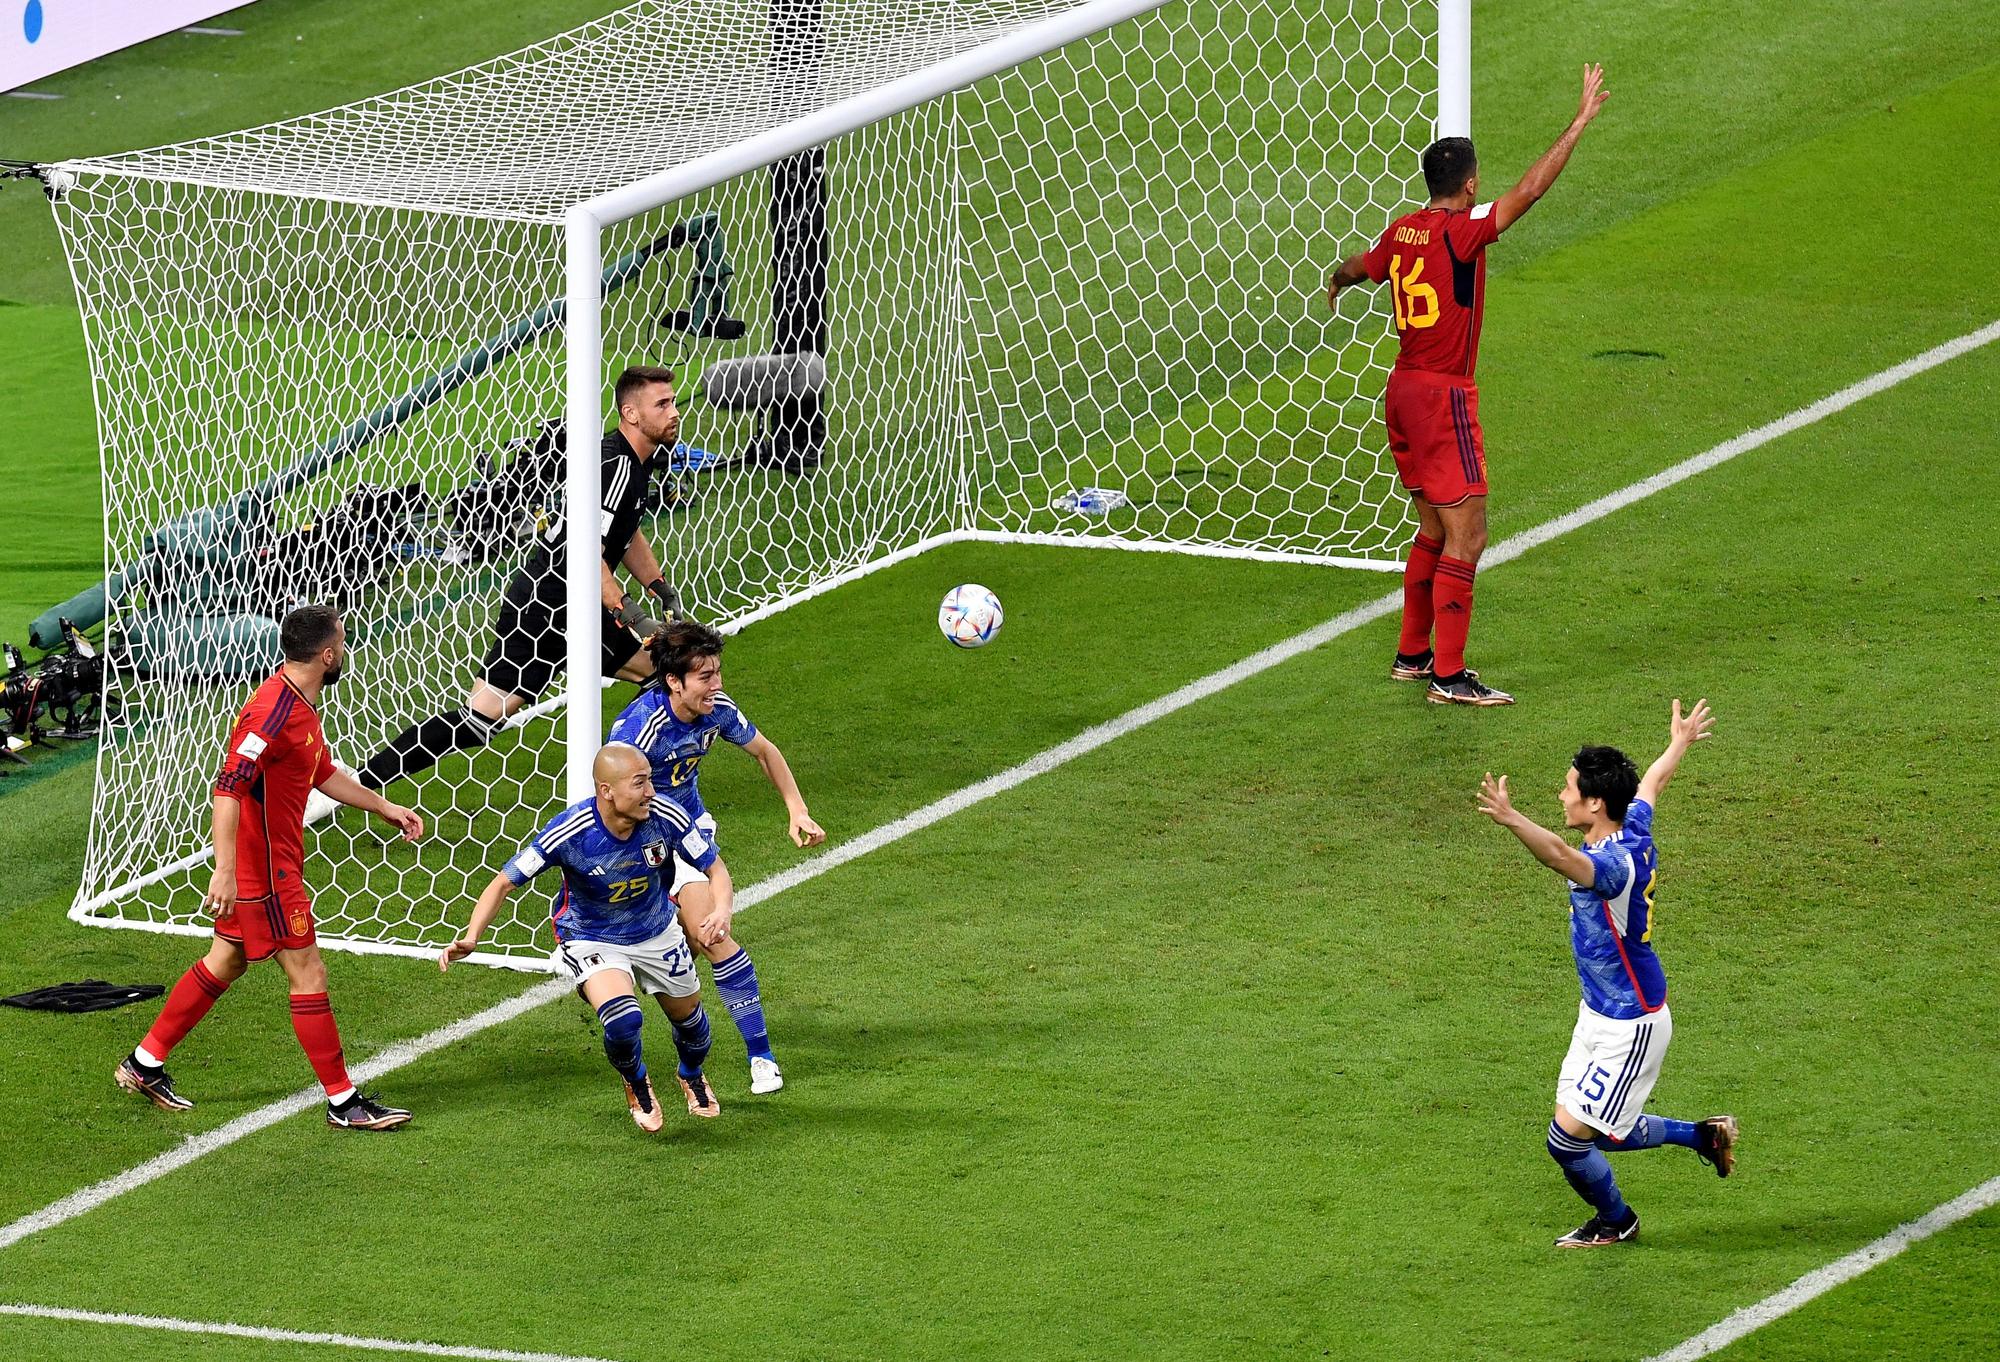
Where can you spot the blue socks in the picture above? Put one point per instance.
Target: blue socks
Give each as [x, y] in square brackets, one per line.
[1589, 1172]
[623, 1019]
[736, 981]
[692, 1039]
[1650, 1132]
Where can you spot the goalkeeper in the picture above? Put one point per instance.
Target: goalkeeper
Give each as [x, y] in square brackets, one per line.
[529, 645]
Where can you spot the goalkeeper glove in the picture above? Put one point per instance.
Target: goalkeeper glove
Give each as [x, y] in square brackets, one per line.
[633, 616]
[669, 599]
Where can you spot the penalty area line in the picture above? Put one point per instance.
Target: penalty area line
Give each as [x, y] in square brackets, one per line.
[1089, 740]
[1822, 1280]
[168, 1324]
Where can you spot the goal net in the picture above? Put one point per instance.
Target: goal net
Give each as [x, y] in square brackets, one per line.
[1022, 270]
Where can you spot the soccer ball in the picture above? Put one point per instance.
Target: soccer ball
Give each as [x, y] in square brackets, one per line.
[970, 615]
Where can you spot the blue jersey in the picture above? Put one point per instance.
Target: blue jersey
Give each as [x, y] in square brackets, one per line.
[612, 891]
[1611, 923]
[675, 749]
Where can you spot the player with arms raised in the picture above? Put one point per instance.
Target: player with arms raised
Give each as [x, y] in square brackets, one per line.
[277, 756]
[1434, 261]
[615, 927]
[674, 722]
[1622, 1025]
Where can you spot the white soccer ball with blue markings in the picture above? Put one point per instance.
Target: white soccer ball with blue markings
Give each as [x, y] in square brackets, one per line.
[970, 616]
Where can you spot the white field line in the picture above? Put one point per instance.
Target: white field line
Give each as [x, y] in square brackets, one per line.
[1822, 1280]
[196, 1326]
[228, 1133]
[1085, 742]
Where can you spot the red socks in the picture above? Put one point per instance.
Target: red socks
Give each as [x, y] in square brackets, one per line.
[312, 1018]
[186, 1005]
[1453, 596]
[1417, 573]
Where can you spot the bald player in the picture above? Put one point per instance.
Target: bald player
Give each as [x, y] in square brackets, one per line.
[616, 925]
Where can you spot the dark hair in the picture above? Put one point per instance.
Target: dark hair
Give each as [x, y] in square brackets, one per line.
[637, 377]
[1606, 773]
[1448, 164]
[306, 630]
[676, 647]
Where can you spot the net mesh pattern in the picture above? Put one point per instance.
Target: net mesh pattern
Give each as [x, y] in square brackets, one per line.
[326, 355]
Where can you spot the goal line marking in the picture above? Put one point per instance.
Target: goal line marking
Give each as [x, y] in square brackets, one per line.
[396, 1056]
[168, 1324]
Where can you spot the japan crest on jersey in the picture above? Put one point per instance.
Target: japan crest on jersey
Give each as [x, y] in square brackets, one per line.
[656, 854]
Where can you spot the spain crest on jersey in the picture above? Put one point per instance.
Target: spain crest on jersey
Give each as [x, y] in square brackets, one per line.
[656, 854]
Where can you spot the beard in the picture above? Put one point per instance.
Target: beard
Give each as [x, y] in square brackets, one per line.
[332, 674]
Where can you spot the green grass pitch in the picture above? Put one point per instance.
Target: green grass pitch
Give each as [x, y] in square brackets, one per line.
[1236, 1037]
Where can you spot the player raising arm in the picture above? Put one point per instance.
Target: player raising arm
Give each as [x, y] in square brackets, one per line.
[674, 722]
[1434, 261]
[1622, 1025]
[615, 927]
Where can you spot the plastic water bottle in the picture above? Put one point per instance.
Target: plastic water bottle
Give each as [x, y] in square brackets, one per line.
[1093, 501]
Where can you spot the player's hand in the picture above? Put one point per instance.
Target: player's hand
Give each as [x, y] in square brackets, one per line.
[1493, 800]
[456, 951]
[805, 832]
[633, 616]
[714, 927]
[221, 895]
[668, 598]
[1696, 725]
[409, 821]
[1333, 291]
[1594, 94]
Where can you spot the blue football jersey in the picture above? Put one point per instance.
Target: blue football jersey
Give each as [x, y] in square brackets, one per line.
[1611, 923]
[612, 891]
[675, 749]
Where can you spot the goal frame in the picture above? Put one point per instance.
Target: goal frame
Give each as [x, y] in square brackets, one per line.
[585, 224]
[579, 701]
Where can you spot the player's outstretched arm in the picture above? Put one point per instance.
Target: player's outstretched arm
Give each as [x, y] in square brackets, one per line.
[1683, 732]
[1545, 846]
[1508, 209]
[804, 831]
[347, 790]
[482, 917]
[1351, 271]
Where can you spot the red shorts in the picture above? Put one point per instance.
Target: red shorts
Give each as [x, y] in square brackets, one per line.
[1433, 422]
[268, 923]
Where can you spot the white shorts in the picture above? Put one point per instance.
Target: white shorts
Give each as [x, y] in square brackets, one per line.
[684, 871]
[661, 965]
[1611, 1067]
[684, 875]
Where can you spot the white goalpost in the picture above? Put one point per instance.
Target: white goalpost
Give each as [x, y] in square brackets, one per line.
[931, 271]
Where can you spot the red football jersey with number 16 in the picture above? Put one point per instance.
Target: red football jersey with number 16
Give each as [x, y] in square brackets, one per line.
[1434, 261]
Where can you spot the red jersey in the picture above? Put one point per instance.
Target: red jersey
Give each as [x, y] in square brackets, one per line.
[1435, 263]
[277, 756]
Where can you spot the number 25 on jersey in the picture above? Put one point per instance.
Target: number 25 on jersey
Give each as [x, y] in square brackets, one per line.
[1416, 303]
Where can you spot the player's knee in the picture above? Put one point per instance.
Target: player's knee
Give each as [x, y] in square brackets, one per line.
[476, 729]
[490, 704]
[225, 961]
[623, 1025]
[724, 949]
[1566, 1148]
[1465, 542]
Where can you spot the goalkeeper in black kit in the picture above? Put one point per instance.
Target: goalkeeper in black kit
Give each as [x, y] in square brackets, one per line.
[530, 647]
